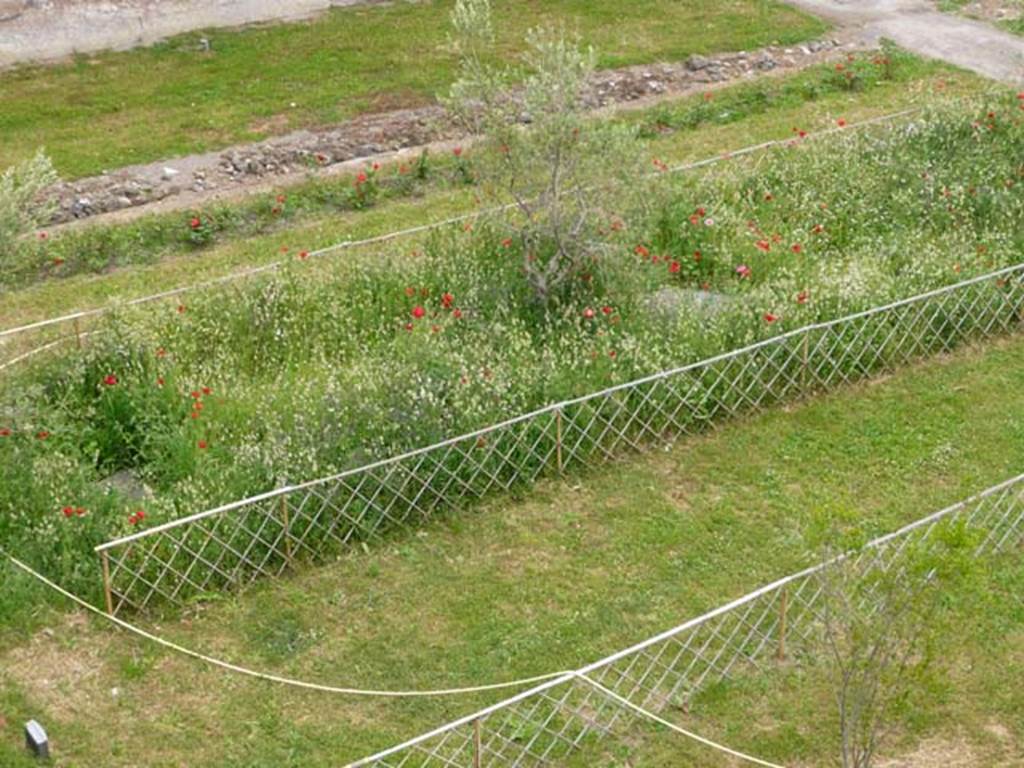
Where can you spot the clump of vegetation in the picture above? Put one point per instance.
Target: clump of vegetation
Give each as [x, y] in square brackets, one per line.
[23, 206]
[884, 616]
[551, 177]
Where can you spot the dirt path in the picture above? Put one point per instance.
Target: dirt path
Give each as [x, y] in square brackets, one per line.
[917, 26]
[44, 30]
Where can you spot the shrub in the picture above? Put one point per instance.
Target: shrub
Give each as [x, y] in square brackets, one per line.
[23, 206]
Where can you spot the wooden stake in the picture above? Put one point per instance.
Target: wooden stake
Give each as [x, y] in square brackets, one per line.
[783, 605]
[477, 760]
[287, 526]
[803, 370]
[558, 439]
[106, 582]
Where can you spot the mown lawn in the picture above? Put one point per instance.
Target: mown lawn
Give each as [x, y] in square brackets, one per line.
[557, 577]
[749, 114]
[101, 112]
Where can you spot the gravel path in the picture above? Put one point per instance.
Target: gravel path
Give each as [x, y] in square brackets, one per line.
[917, 26]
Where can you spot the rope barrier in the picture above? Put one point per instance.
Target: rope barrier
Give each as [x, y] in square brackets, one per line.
[682, 731]
[291, 682]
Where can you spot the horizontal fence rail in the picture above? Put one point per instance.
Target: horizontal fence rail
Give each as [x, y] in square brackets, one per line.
[782, 620]
[233, 545]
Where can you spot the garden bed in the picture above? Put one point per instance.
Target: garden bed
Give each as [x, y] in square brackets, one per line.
[285, 379]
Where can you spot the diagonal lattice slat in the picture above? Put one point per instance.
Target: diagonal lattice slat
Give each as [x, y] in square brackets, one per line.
[232, 546]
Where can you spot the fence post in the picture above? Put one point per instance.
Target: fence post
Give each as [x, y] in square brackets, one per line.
[783, 606]
[803, 368]
[106, 582]
[558, 438]
[285, 521]
[477, 760]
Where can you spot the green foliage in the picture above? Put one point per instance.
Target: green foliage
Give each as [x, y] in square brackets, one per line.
[23, 206]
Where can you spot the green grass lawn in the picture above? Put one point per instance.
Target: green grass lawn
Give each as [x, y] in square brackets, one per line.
[749, 114]
[561, 575]
[105, 111]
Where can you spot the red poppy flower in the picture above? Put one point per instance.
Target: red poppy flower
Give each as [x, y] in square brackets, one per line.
[68, 511]
[408, 326]
[5, 432]
[457, 313]
[280, 198]
[376, 166]
[611, 354]
[697, 256]
[770, 318]
[588, 313]
[43, 235]
[801, 298]
[446, 300]
[194, 394]
[303, 255]
[80, 511]
[743, 271]
[674, 268]
[763, 245]
[642, 251]
[506, 243]
[202, 445]
[42, 434]
[418, 312]
[110, 379]
[457, 151]
[841, 122]
[818, 229]
[362, 178]
[160, 381]
[607, 310]
[796, 248]
[207, 391]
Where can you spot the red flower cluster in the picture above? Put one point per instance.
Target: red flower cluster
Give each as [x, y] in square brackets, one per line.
[73, 511]
[137, 517]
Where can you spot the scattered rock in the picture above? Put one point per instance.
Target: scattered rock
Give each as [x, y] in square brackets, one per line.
[668, 302]
[169, 173]
[696, 63]
[128, 485]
